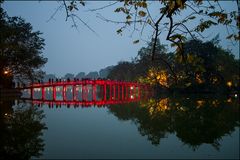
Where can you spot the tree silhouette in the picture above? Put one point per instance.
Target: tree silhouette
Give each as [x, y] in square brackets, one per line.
[21, 131]
[20, 49]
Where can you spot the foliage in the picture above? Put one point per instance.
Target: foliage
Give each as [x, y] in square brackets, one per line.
[170, 21]
[208, 67]
[195, 121]
[123, 71]
[142, 66]
[21, 131]
[207, 63]
[20, 48]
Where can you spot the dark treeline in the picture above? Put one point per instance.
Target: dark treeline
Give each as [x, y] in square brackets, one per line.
[203, 67]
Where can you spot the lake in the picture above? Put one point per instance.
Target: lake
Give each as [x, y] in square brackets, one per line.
[166, 127]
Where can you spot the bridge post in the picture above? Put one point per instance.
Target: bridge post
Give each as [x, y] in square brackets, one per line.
[94, 92]
[105, 91]
[126, 86]
[43, 93]
[122, 92]
[64, 92]
[73, 92]
[54, 93]
[110, 91]
[77, 91]
[84, 92]
[114, 91]
[131, 90]
[118, 90]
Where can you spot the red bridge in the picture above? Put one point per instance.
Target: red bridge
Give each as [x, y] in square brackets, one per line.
[88, 92]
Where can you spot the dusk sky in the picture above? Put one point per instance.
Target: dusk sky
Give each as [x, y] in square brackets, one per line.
[70, 51]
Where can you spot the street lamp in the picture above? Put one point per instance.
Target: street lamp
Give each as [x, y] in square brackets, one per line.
[6, 72]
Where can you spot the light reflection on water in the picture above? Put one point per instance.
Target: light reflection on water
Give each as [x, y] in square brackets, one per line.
[169, 127]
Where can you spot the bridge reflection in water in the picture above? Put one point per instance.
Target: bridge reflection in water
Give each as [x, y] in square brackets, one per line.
[87, 92]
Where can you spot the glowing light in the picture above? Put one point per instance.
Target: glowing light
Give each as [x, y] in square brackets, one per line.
[5, 114]
[198, 78]
[131, 96]
[5, 72]
[200, 103]
[229, 100]
[229, 84]
[131, 87]
[162, 105]
[235, 95]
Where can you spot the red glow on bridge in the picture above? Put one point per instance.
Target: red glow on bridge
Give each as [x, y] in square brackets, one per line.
[111, 92]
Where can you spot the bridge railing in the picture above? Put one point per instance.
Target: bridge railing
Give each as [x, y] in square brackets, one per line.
[111, 90]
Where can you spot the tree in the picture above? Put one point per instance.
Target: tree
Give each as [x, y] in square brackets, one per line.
[20, 49]
[207, 64]
[103, 73]
[80, 75]
[169, 20]
[123, 71]
[69, 76]
[92, 75]
[21, 131]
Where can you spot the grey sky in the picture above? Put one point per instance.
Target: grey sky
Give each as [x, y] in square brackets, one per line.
[70, 51]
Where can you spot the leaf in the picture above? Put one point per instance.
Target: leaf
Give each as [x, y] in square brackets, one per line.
[178, 36]
[144, 4]
[193, 17]
[230, 36]
[82, 3]
[119, 9]
[204, 25]
[201, 11]
[198, 2]
[142, 13]
[180, 3]
[128, 17]
[136, 41]
[149, 21]
[119, 31]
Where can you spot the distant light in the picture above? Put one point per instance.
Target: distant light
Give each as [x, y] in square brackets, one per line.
[132, 96]
[5, 72]
[235, 95]
[131, 87]
[229, 83]
[5, 114]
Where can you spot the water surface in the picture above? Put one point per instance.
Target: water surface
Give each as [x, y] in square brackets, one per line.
[169, 127]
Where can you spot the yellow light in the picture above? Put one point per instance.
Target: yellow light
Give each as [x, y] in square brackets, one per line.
[229, 100]
[229, 83]
[5, 72]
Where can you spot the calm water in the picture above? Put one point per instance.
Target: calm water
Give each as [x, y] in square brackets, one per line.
[169, 127]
